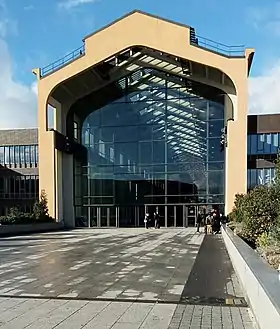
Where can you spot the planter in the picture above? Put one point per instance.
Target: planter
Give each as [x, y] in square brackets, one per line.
[8, 230]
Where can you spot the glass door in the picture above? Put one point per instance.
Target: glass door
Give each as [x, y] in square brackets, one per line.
[93, 217]
[171, 210]
[179, 216]
[104, 216]
[112, 216]
[191, 213]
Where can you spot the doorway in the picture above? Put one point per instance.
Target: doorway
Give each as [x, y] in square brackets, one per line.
[102, 216]
[174, 215]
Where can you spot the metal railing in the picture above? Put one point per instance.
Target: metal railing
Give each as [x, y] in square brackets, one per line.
[63, 61]
[18, 196]
[230, 51]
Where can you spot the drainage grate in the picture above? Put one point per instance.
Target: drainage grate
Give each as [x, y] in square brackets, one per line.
[212, 301]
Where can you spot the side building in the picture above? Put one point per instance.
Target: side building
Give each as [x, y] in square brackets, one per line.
[19, 174]
[262, 148]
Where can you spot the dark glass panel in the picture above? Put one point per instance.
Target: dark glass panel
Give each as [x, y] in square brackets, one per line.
[154, 141]
[215, 128]
[215, 153]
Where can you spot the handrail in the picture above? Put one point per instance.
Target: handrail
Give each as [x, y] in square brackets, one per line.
[230, 51]
[63, 61]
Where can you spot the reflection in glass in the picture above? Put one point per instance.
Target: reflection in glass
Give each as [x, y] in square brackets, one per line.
[260, 176]
[263, 143]
[158, 142]
[19, 155]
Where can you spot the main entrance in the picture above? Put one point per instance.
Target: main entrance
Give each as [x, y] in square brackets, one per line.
[178, 215]
[171, 215]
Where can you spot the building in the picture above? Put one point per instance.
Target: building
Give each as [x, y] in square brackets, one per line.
[263, 146]
[19, 160]
[139, 121]
[19, 177]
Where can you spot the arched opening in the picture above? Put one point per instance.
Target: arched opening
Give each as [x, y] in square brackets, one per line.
[153, 144]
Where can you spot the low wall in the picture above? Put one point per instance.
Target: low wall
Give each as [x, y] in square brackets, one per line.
[260, 282]
[8, 230]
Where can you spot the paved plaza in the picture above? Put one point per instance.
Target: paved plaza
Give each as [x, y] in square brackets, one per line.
[118, 279]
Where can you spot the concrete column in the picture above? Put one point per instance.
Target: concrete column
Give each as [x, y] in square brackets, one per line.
[68, 190]
[236, 152]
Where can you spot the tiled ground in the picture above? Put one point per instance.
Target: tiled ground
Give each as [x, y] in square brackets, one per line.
[134, 264]
[115, 276]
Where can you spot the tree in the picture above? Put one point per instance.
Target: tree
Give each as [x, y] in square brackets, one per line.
[40, 209]
[259, 211]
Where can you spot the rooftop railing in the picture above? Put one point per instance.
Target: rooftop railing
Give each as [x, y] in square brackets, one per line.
[63, 61]
[229, 51]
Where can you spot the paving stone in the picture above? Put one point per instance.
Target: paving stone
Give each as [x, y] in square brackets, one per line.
[133, 264]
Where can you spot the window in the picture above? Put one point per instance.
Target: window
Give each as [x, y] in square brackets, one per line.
[263, 143]
[2, 155]
[260, 176]
[161, 136]
[102, 148]
[111, 154]
[75, 130]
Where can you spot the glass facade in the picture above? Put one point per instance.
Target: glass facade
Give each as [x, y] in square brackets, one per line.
[260, 176]
[263, 143]
[19, 156]
[19, 187]
[258, 146]
[158, 144]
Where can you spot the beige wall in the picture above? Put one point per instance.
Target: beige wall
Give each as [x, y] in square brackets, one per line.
[163, 36]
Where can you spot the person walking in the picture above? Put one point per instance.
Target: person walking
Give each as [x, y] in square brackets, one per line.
[146, 220]
[199, 220]
[156, 218]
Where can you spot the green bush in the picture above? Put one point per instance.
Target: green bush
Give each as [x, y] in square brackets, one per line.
[237, 213]
[40, 209]
[40, 214]
[15, 217]
[259, 211]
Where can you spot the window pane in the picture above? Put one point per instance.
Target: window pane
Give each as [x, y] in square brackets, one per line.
[12, 155]
[215, 128]
[2, 155]
[17, 161]
[27, 154]
[274, 146]
[267, 144]
[216, 182]
[260, 145]
[215, 153]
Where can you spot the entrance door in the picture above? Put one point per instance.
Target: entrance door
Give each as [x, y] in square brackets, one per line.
[127, 216]
[179, 216]
[171, 215]
[102, 216]
[191, 213]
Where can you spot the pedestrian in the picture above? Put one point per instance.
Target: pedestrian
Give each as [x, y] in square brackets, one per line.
[146, 220]
[199, 220]
[156, 218]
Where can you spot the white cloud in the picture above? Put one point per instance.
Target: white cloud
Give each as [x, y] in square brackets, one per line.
[68, 4]
[18, 102]
[264, 91]
[265, 17]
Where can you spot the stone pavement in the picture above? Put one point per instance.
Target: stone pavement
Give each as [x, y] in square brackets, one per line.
[114, 278]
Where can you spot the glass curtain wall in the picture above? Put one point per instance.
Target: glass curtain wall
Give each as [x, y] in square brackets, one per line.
[158, 144]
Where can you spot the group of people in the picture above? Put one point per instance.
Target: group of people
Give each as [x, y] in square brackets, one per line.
[152, 221]
[211, 221]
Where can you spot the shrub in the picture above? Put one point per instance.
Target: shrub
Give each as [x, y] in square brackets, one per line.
[259, 211]
[16, 217]
[40, 214]
[40, 209]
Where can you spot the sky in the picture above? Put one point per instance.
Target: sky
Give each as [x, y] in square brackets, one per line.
[35, 33]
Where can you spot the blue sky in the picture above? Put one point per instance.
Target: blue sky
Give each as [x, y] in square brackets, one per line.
[34, 33]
